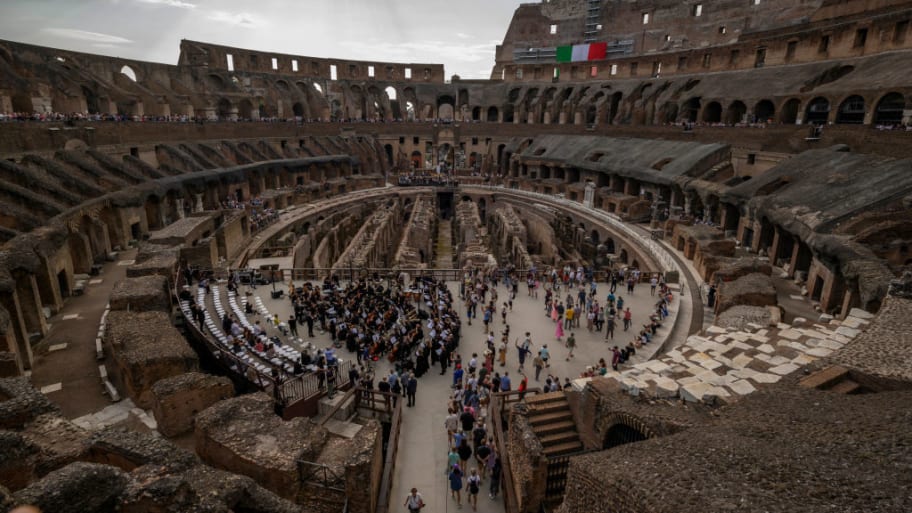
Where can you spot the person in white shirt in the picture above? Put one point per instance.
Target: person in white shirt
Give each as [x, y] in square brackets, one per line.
[413, 501]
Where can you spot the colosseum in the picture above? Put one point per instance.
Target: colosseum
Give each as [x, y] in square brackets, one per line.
[226, 283]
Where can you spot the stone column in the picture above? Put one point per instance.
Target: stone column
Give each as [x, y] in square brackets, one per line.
[198, 204]
[179, 207]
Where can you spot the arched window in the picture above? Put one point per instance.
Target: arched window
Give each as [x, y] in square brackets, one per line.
[128, 71]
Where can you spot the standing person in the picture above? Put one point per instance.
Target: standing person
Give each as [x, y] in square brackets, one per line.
[609, 328]
[330, 381]
[474, 482]
[559, 331]
[496, 469]
[293, 325]
[465, 453]
[545, 355]
[627, 318]
[456, 485]
[413, 501]
[571, 343]
[521, 354]
[523, 385]
[539, 364]
[502, 352]
[411, 388]
[653, 283]
[452, 459]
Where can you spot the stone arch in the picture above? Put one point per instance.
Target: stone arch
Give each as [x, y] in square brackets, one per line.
[298, 110]
[595, 237]
[788, 114]
[80, 252]
[245, 109]
[851, 111]
[91, 98]
[591, 114]
[889, 109]
[391, 93]
[417, 159]
[712, 113]
[623, 429]
[388, 148]
[508, 116]
[615, 106]
[610, 245]
[690, 109]
[735, 112]
[764, 111]
[476, 114]
[492, 114]
[129, 73]
[818, 111]
[445, 107]
[224, 109]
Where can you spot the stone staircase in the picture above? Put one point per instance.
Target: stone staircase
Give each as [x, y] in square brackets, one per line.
[834, 378]
[552, 422]
[443, 248]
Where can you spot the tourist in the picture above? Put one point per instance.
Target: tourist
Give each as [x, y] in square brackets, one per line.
[413, 501]
[411, 388]
[455, 478]
[474, 482]
[538, 364]
[571, 343]
[496, 468]
[559, 331]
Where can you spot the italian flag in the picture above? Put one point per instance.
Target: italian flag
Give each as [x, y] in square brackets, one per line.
[582, 53]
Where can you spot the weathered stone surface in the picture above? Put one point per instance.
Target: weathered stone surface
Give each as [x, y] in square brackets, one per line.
[177, 399]
[141, 294]
[199, 489]
[77, 488]
[128, 450]
[147, 348]
[20, 403]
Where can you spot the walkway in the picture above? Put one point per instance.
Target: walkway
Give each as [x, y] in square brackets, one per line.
[423, 444]
[69, 369]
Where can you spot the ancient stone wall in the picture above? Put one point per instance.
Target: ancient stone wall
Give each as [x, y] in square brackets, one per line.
[177, 399]
[244, 436]
[146, 348]
[417, 246]
[369, 248]
[141, 294]
[472, 237]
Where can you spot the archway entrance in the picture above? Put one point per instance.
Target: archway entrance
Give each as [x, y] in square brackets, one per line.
[851, 111]
[889, 110]
[818, 111]
[620, 434]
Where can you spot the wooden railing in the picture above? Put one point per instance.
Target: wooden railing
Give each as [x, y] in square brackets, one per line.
[496, 409]
[370, 399]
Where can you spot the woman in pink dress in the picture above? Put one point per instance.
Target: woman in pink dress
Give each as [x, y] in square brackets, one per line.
[559, 332]
[554, 312]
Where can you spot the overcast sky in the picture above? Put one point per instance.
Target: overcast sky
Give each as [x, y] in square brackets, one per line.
[461, 34]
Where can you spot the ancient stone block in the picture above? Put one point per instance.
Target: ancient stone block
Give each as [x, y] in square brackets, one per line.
[141, 294]
[128, 450]
[177, 399]
[76, 488]
[21, 403]
[146, 349]
[244, 435]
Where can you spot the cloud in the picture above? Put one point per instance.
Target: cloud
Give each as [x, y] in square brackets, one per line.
[170, 3]
[83, 35]
[421, 51]
[239, 19]
[463, 35]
